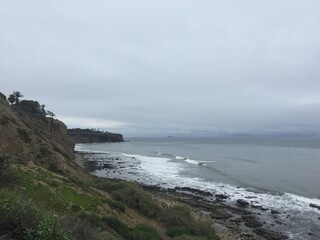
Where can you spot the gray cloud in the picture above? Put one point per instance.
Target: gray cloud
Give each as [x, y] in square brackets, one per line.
[167, 67]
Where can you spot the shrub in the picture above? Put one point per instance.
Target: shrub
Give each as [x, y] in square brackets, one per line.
[93, 219]
[188, 237]
[24, 135]
[143, 232]
[204, 228]
[75, 208]
[21, 220]
[4, 120]
[7, 175]
[176, 216]
[137, 198]
[178, 231]
[109, 185]
[182, 223]
[118, 226]
[44, 150]
[120, 207]
[82, 229]
[45, 230]
[54, 168]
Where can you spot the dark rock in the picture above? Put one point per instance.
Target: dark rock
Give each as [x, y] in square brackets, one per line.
[251, 221]
[314, 206]
[242, 203]
[220, 214]
[269, 234]
[221, 196]
[194, 191]
[236, 220]
[274, 212]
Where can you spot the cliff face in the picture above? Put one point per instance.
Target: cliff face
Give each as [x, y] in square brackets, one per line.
[27, 135]
[89, 136]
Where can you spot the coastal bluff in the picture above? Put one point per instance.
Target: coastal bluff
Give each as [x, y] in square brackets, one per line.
[79, 135]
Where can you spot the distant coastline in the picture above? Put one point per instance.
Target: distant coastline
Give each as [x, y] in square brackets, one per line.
[79, 135]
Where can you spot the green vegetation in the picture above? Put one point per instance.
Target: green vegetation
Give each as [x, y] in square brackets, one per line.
[144, 232]
[15, 97]
[131, 195]
[119, 206]
[7, 176]
[69, 208]
[178, 231]
[139, 232]
[20, 219]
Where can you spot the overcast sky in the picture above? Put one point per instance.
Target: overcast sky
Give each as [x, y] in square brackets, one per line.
[167, 67]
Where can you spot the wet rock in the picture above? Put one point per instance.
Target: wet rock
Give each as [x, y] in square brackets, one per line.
[314, 206]
[242, 203]
[251, 221]
[269, 234]
[236, 220]
[221, 196]
[220, 214]
[274, 212]
[194, 191]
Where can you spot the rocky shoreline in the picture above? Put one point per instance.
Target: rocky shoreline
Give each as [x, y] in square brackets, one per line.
[241, 220]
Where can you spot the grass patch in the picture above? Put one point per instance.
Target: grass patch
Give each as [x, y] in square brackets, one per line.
[22, 220]
[58, 196]
[143, 232]
[178, 231]
[139, 232]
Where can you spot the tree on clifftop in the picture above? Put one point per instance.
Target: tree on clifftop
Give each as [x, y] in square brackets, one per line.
[50, 114]
[14, 97]
[17, 95]
[11, 99]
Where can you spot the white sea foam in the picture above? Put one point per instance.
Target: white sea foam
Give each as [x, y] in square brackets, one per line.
[157, 166]
[192, 161]
[180, 158]
[195, 162]
[168, 171]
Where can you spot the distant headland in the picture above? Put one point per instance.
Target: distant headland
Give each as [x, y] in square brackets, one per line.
[79, 135]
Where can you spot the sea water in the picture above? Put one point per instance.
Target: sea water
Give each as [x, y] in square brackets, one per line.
[282, 174]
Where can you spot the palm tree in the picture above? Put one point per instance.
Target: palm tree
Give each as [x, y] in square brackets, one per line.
[50, 114]
[17, 95]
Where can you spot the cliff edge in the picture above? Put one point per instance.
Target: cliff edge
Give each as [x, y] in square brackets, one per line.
[29, 136]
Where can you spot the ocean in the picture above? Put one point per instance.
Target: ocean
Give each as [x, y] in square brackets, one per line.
[282, 174]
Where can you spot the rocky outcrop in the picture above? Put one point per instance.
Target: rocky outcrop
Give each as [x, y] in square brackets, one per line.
[90, 136]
